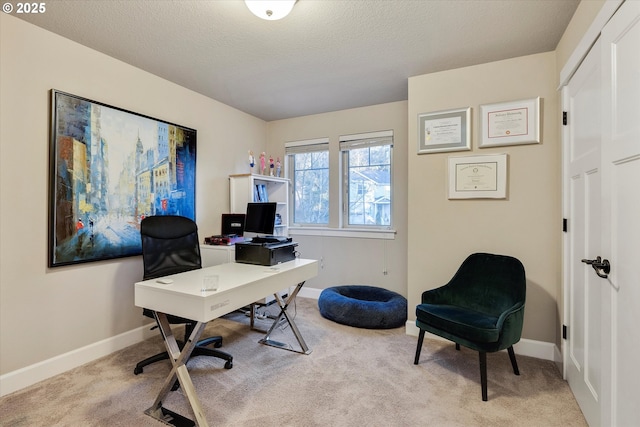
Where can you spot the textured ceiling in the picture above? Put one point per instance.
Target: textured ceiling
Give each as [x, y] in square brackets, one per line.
[327, 55]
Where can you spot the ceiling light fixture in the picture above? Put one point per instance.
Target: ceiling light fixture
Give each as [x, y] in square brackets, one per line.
[270, 10]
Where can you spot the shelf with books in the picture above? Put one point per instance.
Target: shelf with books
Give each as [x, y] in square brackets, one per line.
[246, 188]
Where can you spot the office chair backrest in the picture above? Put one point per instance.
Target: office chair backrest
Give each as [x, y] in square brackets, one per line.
[490, 283]
[170, 245]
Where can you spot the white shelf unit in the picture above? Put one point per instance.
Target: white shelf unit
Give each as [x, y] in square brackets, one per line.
[217, 254]
[242, 189]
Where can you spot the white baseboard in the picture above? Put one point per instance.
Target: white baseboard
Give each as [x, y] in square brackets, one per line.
[526, 347]
[29, 375]
[538, 349]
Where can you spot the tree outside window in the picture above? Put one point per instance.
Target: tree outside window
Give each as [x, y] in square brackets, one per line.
[366, 187]
[309, 174]
[369, 185]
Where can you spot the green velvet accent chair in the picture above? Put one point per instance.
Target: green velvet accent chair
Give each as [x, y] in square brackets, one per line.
[482, 308]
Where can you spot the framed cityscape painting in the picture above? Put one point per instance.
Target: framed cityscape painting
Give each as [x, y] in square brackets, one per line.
[109, 168]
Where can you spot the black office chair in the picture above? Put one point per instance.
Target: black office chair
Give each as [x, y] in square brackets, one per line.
[170, 245]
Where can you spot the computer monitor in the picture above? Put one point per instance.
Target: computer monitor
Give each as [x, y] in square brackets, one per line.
[260, 218]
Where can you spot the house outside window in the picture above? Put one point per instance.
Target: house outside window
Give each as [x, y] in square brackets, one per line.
[308, 169]
[366, 163]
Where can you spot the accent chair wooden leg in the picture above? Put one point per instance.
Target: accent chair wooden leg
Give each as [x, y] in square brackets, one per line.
[483, 374]
[514, 364]
[420, 339]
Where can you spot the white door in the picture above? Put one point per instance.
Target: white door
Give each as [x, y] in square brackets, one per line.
[582, 209]
[602, 184]
[621, 208]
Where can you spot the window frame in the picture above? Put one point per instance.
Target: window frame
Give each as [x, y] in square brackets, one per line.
[364, 140]
[300, 147]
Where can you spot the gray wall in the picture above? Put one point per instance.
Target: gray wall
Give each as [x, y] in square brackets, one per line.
[45, 313]
[527, 224]
[48, 312]
[346, 259]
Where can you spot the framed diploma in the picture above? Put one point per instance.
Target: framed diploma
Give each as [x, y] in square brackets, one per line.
[444, 131]
[478, 177]
[510, 123]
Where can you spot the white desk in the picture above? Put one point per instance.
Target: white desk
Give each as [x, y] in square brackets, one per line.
[220, 254]
[239, 285]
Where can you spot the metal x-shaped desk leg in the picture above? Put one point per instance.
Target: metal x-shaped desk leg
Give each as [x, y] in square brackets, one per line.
[283, 312]
[179, 361]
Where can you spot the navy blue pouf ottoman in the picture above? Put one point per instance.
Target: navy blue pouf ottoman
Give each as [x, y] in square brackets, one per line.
[363, 306]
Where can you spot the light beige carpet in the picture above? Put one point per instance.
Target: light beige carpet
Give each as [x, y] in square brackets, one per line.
[353, 377]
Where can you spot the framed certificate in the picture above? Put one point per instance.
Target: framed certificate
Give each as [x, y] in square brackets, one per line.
[478, 177]
[510, 123]
[444, 131]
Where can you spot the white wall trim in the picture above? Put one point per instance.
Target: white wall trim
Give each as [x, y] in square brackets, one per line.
[29, 375]
[306, 142]
[532, 348]
[342, 232]
[368, 135]
[526, 347]
[588, 39]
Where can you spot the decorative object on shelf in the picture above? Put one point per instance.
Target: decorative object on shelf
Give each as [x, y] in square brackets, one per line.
[278, 167]
[478, 177]
[271, 166]
[510, 123]
[252, 160]
[444, 131]
[262, 162]
[270, 10]
[101, 153]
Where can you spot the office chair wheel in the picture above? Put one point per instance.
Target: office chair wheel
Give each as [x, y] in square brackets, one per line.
[217, 344]
[228, 365]
[137, 370]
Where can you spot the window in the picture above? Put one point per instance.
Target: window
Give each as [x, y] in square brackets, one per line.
[366, 179]
[365, 186]
[308, 169]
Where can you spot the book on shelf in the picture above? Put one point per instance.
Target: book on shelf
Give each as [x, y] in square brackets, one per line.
[260, 193]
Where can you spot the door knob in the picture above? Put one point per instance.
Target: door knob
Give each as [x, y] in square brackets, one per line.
[601, 267]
